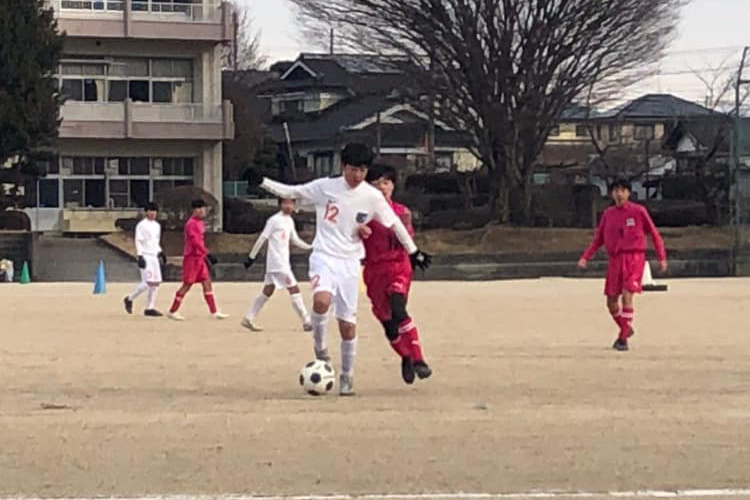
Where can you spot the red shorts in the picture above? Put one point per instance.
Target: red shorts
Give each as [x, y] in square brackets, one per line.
[382, 281]
[625, 273]
[194, 270]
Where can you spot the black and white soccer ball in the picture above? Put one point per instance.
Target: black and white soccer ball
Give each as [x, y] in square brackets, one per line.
[317, 378]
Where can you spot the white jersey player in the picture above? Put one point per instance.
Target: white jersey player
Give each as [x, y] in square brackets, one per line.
[342, 205]
[279, 232]
[150, 260]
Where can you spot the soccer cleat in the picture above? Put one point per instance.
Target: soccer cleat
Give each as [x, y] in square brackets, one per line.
[323, 355]
[246, 323]
[407, 370]
[346, 385]
[307, 327]
[128, 305]
[620, 345]
[175, 316]
[153, 313]
[219, 315]
[423, 369]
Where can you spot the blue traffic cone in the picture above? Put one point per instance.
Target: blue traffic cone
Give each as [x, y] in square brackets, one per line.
[100, 283]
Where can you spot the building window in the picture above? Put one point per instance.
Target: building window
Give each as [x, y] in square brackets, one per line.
[292, 107]
[49, 193]
[138, 79]
[643, 132]
[176, 166]
[133, 166]
[614, 133]
[73, 193]
[85, 165]
[95, 193]
[582, 131]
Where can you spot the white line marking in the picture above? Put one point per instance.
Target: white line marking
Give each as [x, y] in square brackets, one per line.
[460, 495]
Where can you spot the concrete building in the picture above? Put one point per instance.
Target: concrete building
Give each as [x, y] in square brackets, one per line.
[143, 111]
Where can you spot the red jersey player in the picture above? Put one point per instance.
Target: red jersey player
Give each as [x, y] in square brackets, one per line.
[622, 230]
[195, 262]
[388, 274]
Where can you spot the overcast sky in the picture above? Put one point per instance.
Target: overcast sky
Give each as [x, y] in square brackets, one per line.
[711, 34]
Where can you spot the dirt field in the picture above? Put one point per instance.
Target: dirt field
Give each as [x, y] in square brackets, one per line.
[526, 396]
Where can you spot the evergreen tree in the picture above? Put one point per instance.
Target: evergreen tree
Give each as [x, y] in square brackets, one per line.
[30, 48]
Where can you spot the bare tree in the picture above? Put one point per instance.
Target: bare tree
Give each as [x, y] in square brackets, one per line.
[243, 52]
[504, 70]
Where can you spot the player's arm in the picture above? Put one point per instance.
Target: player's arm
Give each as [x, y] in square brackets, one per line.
[661, 252]
[595, 244]
[196, 239]
[299, 242]
[308, 191]
[141, 238]
[262, 239]
[386, 216]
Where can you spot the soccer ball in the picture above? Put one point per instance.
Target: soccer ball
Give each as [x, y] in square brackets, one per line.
[317, 378]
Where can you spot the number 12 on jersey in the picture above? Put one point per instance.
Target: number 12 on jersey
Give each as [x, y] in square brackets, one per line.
[332, 213]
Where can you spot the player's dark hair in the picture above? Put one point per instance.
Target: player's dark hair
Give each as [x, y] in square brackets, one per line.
[281, 200]
[198, 203]
[378, 170]
[151, 207]
[357, 155]
[620, 183]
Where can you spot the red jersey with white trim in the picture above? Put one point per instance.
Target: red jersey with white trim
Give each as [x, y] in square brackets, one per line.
[383, 245]
[623, 230]
[194, 242]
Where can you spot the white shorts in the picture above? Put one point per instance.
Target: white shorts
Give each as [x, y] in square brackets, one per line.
[282, 280]
[152, 272]
[340, 278]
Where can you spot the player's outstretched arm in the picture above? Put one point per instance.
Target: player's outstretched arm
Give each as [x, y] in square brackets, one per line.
[255, 250]
[308, 191]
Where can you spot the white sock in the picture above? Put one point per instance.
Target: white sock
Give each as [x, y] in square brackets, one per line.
[299, 307]
[254, 310]
[348, 353]
[142, 287]
[152, 291]
[319, 322]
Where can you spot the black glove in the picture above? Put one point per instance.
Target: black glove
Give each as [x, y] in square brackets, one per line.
[421, 260]
[141, 262]
[249, 262]
[212, 260]
[162, 259]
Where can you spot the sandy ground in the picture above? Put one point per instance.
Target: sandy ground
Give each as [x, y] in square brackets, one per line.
[526, 396]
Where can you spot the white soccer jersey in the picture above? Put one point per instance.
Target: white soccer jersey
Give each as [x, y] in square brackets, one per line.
[147, 238]
[340, 210]
[279, 232]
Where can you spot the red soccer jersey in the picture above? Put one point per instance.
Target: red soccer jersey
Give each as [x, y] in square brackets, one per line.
[194, 245]
[624, 229]
[383, 245]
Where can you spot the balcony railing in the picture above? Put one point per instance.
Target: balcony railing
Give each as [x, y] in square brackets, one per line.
[206, 10]
[142, 112]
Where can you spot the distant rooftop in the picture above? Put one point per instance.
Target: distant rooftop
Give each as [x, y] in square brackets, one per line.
[657, 106]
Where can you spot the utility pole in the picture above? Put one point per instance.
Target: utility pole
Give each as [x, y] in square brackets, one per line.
[331, 42]
[235, 41]
[735, 191]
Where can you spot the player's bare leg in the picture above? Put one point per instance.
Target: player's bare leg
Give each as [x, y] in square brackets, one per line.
[299, 307]
[319, 320]
[151, 310]
[177, 302]
[208, 296]
[348, 333]
[248, 321]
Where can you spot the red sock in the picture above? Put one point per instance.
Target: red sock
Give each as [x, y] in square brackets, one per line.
[176, 303]
[401, 346]
[617, 318]
[209, 296]
[626, 325]
[409, 330]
